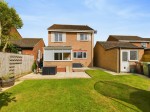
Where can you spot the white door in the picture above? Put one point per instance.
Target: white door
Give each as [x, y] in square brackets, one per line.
[125, 61]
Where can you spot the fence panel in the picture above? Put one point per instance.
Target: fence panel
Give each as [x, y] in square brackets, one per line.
[16, 64]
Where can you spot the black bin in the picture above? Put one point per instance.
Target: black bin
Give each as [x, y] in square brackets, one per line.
[148, 70]
[49, 70]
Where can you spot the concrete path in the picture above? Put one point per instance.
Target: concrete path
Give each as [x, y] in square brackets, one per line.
[60, 75]
[110, 72]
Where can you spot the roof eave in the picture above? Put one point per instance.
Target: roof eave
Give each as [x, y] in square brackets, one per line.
[133, 41]
[124, 48]
[72, 30]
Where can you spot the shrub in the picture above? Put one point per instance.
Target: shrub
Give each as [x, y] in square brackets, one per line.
[34, 66]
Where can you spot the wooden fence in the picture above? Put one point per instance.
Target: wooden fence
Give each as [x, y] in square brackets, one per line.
[16, 64]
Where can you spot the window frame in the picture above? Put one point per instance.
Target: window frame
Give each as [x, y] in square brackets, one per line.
[58, 37]
[75, 54]
[144, 46]
[83, 37]
[60, 55]
[136, 55]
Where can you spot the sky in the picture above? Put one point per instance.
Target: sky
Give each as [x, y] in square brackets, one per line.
[108, 17]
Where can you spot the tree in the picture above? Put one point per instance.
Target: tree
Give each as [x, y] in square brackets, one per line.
[8, 19]
[0, 26]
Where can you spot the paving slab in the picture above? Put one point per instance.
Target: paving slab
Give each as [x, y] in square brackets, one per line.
[60, 75]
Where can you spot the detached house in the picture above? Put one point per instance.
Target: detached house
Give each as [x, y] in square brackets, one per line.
[69, 46]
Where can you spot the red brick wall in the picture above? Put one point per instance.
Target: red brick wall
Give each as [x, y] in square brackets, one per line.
[15, 33]
[107, 59]
[61, 69]
[139, 44]
[34, 51]
[71, 40]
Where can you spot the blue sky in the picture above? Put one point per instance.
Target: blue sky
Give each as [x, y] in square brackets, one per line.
[108, 17]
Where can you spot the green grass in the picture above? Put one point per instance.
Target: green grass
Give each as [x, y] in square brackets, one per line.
[102, 93]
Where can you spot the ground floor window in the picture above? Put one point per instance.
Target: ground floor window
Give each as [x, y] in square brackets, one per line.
[62, 56]
[58, 56]
[52, 55]
[80, 54]
[130, 55]
[133, 55]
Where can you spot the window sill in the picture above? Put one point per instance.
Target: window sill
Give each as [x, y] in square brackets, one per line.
[58, 60]
[133, 60]
[80, 58]
[84, 40]
[59, 42]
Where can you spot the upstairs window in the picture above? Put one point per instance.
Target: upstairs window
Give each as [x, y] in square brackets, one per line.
[83, 37]
[144, 45]
[58, 37]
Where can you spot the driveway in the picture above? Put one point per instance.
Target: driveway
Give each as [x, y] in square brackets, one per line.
[60, 75]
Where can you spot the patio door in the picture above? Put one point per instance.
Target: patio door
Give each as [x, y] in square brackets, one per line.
[125, 61]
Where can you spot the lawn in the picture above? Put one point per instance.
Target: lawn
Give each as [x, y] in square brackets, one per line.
[102, 93]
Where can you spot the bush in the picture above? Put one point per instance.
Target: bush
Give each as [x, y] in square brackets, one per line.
[34, 66]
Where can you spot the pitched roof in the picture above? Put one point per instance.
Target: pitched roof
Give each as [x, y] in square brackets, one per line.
[26, 42]
[69, 27]
[114, 44]
[147, 39]
[126, 38]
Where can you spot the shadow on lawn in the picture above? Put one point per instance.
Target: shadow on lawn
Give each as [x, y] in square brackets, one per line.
[137, 97]
[6, 98]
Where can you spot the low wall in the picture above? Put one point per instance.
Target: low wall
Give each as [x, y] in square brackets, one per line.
[16, 64]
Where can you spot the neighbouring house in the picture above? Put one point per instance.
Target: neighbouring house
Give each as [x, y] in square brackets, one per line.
[135, 40]
[30, 46]
[69, 46]
[15, 33]
[117, 56]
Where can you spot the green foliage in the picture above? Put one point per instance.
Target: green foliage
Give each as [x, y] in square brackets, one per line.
[8, 19]
[34, 66]
[7, 76]
[12, 48]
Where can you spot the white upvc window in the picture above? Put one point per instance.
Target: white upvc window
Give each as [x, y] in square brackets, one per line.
[83, 37]
[57, 55]
[58, 37]
[133, 55]
[144, 45]
[80, 55]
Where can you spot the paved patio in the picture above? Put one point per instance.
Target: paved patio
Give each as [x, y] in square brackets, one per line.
[60, 75]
